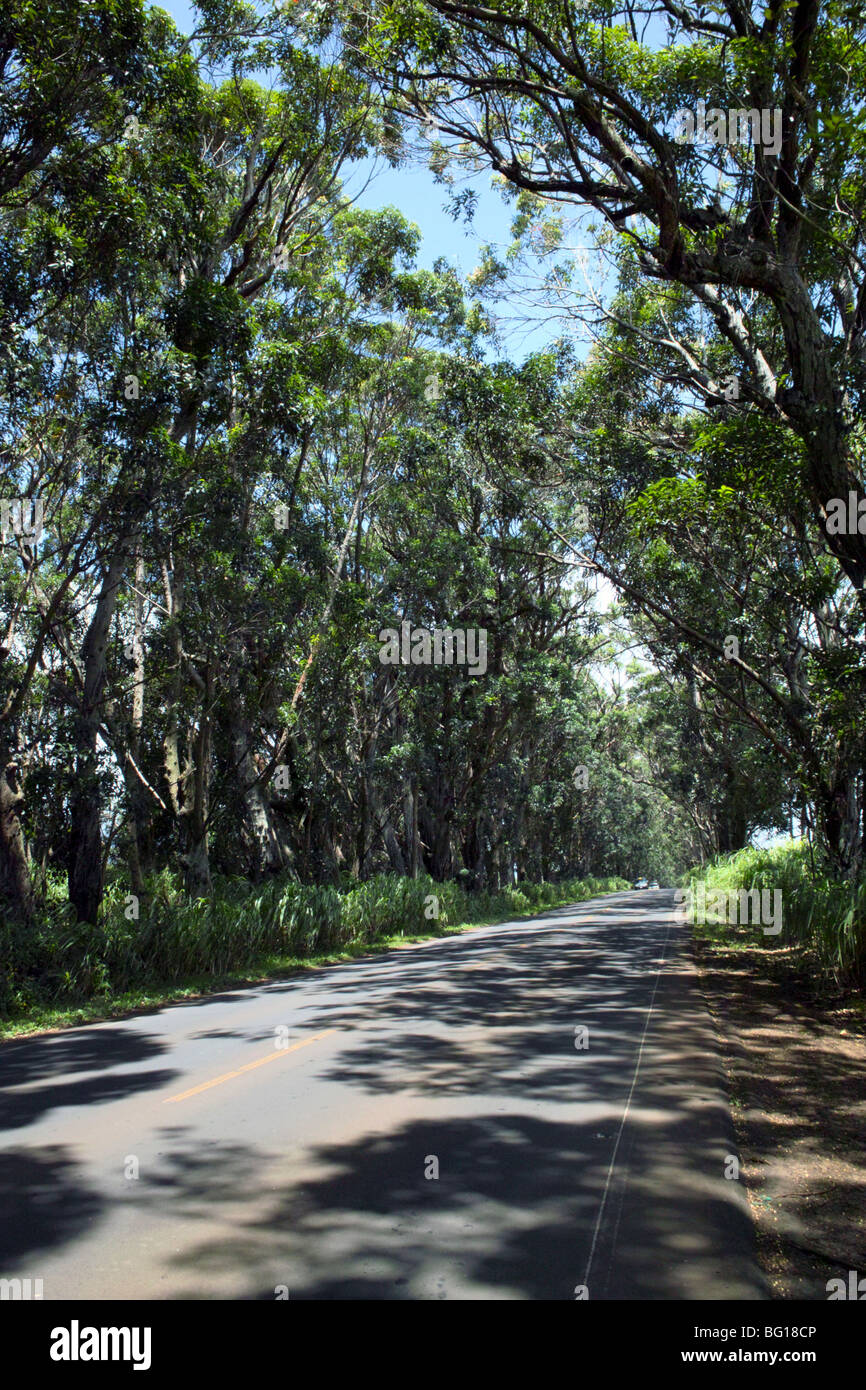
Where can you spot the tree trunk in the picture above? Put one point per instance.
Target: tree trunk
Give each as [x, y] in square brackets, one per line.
[196, 862]
[136, 796]
[410, 826]
[387, 831]
[16, 888]
[196, 866]
[85, 869]
[269, 850]
[839, 820]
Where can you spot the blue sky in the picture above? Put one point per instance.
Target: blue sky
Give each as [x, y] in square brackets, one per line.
[414, 192]
[417, 195]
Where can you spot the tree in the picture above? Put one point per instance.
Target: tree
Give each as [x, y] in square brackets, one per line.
[764, 233]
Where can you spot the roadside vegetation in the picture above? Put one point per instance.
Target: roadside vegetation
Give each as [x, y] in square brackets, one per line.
[791, 1019]
[822, 916]
[65, 972]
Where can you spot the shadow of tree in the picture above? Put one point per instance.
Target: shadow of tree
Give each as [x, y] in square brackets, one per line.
[525, 1130]
[75, 1069]
[43, 1203]
[557, 1165]
[800, 1085]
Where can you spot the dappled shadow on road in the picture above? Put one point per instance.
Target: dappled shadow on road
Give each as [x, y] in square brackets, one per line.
[501, 1216]
[52, 1056]
[557, 1164]
[43, 1203]
[511, 1214]
[74, 1069]
[524, 1128]
[495, 1016]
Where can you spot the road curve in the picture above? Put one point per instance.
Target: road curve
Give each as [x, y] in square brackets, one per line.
[287, 1137]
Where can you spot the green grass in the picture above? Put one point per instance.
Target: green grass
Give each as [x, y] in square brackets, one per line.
[62, 973]
[820, 914]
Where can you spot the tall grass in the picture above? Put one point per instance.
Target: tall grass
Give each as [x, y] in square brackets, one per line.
[174, 941]
[820, 913]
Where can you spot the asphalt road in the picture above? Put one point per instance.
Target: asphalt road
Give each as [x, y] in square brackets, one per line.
[286, 1136]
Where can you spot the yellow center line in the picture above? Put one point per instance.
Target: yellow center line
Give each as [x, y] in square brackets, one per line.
[260, 1062]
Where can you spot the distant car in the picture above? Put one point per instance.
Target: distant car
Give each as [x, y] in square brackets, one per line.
[640, 883]
[654, 884]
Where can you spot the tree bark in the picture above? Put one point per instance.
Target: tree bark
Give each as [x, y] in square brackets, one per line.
[136, 796]
[269, 849]
[16, 887]
[85, 869]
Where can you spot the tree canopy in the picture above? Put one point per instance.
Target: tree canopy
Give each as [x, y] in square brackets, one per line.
[261, 437]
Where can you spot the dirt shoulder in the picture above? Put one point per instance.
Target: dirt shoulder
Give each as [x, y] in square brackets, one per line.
[795, 1056]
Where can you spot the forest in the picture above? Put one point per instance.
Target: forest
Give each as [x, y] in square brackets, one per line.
[271, 486]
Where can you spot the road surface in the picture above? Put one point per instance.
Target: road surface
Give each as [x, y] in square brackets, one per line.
[288, 1137]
